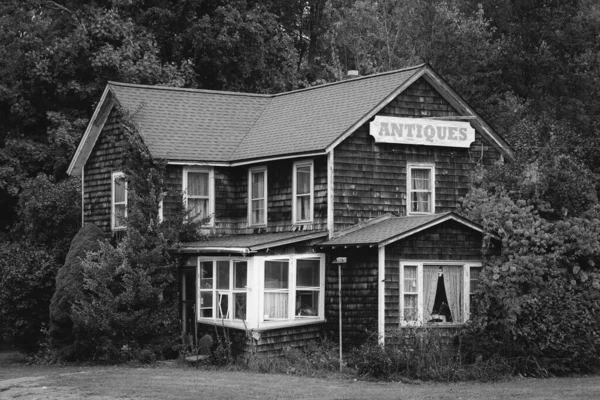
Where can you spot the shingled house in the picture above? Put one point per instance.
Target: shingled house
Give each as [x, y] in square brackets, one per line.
[362, 174]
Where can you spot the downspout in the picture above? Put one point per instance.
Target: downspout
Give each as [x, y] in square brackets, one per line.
[330, 195]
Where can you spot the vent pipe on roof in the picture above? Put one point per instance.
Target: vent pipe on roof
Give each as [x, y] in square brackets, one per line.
[352, 73]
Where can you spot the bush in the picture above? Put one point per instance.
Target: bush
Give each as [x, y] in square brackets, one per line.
[69, 286]
[26, 285]
[128, 302]
[420, 353]
[538, 303]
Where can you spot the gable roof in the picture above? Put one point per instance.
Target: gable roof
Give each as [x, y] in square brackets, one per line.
[226, 128]
[389, 229]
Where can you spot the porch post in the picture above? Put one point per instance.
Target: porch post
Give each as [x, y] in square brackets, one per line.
[381, 296]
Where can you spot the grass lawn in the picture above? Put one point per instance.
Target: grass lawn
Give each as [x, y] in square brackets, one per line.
[173, 381]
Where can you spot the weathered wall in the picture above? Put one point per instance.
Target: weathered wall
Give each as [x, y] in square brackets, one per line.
[106, 157]
[370, 179]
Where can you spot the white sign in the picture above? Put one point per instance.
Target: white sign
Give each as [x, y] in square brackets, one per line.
[428, 132]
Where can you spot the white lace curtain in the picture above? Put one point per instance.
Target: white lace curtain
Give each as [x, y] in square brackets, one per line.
[453, 281]
[276, 305]
[430, 280]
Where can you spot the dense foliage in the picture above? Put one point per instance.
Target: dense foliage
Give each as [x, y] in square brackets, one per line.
[538, 302]
[69, 286]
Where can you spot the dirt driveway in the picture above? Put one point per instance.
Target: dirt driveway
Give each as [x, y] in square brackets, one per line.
[172, 381]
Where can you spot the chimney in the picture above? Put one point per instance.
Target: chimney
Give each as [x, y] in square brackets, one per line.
[352, 73]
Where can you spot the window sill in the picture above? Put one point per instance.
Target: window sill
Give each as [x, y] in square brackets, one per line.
[433, 325]
[262, 326]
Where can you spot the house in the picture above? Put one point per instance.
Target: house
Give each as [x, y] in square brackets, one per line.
[355, 181]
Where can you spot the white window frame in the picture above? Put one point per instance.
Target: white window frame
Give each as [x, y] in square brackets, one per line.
[299, 164]
[466, 270]
[292, 319]
[216, 292]
[409, 190]
[211, 191]
[255, 293]
[113, 204]
[263, 170]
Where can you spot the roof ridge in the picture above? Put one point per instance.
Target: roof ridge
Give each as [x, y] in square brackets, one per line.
[192, 90]
[351, 80]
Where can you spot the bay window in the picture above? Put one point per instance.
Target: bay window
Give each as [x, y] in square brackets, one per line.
[198, 188]
[257, 196]
[261, 292]
[119, 201]
[420, 189]
[302, 197]
[436, 293]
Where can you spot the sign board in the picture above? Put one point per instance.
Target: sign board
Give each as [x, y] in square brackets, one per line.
[422, 131]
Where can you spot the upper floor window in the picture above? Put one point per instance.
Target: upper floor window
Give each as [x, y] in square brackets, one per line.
[302, 197]
[119, 201]
[436, 292]
[420, 189]
[198, 187]
[257, 196]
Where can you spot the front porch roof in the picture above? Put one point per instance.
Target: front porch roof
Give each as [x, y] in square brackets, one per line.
[244, 244]
[388, 228]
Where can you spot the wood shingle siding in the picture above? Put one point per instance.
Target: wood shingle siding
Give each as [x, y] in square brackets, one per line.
[449, 241]
[105, 158]
[359, 296]
[231, 197]
[370, 179]
[271, 343]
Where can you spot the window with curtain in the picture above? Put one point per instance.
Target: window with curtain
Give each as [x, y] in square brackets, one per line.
[434, 293]
[119, 201]
[198, 194]
[257, 196]
[222, 289]
[277, 290]
[302, 202]
[420, 189]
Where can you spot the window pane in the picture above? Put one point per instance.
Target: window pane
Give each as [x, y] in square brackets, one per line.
[420, 201]
[223, 311]
[307, 273]
[197, 184]
[258, 185]
[120, 215]
[276, 274]
[240, 274]
[198, 208]
[307, 303]
[276, 305]
[420, 179]
[206, 275]
[222, 274]
[410, 307]
[303, 180]
[239, 305]
[410, 279]
[206, 303]
[119, 190]
[258, 211]
[303, 208]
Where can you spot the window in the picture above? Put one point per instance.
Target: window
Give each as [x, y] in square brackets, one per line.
[257, 196]
[302, 203]
[420, 189]
[222, 289]
[436, 292]
[261, 292]
[198, 187]
[119, 201]
[293, 288]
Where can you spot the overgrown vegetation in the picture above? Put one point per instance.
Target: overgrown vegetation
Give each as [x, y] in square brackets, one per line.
[128, 306]
[538, 302]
